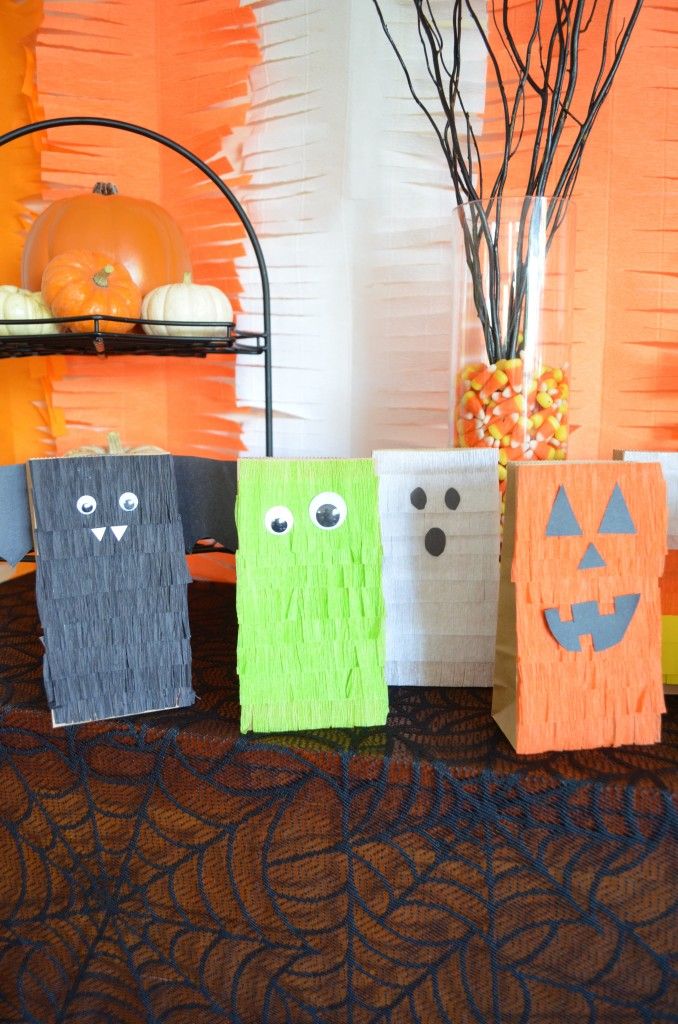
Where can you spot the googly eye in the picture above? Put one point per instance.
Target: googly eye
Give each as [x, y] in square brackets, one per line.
[128, 501]
[86, 504]
[279, 520]
[327, 510]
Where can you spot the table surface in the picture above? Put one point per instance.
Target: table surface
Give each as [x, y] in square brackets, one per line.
[166, 868]
[448, 726]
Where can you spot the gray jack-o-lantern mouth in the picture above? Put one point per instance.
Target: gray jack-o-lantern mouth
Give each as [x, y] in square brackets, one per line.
[587, 620]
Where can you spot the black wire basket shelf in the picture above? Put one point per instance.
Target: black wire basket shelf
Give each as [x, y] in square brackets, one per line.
[211, 338]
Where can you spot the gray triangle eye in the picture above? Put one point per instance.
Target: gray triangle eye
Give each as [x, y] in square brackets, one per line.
[617, 518]
[562, 521]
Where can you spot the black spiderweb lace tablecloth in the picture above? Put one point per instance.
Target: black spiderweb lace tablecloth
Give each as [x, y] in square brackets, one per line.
[165, 869]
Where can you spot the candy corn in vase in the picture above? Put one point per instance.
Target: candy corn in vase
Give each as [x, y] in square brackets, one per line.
[520, 412]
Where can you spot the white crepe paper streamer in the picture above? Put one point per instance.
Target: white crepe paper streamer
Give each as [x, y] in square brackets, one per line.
[669, 463]
[351, 197]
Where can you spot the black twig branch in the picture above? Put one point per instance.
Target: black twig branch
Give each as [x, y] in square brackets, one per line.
[543, 76]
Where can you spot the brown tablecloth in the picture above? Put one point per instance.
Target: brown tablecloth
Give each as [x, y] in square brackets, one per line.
[166, 869]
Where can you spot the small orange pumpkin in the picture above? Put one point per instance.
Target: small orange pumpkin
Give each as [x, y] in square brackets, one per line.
[81, 282]
[136, 232]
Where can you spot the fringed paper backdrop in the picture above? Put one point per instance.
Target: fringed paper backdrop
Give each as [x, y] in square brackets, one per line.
[350, 192]
[26, 428]
[624, 360]
[352, 195]
[181, 69]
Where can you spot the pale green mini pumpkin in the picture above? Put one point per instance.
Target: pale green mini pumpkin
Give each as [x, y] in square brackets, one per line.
[20, 304]
[191, 302]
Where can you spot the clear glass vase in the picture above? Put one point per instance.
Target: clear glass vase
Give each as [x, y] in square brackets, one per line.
[511, 339]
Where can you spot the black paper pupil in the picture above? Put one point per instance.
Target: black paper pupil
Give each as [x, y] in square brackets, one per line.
[327, 515]
[87, 506]
[279, 525]
[452, 498]
[418, 497]
[129, 504]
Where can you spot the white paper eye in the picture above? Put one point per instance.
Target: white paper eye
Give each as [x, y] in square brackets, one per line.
[279, 520]
[128, 501]
[86, 504]
[327, 510]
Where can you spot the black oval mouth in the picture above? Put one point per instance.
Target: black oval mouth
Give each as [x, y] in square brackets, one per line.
[435, 541]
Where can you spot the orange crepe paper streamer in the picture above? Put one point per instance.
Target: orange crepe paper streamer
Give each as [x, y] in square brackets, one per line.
[568, 700]
[180, 68]
[26, 425]
[624, 357]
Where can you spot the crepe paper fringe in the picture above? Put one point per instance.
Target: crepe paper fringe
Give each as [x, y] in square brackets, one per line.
[114, 612]
[25, 428]
[635, 312]
[141, 540]
[20, 161]
[353, 254]
[437, 673]
[343, 714]
[434, 462]
[441, 611]
[310, 644]
[547, 698]
[589, 487]
[181, 68]
[669, 463]
[120, 694]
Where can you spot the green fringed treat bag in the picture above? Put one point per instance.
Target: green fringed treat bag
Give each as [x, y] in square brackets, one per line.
[311, 643]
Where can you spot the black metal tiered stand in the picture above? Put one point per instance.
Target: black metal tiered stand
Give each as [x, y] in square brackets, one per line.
[228, 340]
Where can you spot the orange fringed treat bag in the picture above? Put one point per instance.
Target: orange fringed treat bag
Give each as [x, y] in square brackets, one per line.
[578, 658]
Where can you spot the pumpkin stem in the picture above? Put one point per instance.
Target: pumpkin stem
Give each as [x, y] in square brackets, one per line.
[188, 277]
[101, 277]
[105, 188]
[115, 444]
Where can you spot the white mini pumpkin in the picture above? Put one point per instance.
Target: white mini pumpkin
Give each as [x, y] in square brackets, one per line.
[20, 304]
[187, 301]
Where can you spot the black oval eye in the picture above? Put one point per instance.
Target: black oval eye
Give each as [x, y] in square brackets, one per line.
[452, 498]
[418, 497]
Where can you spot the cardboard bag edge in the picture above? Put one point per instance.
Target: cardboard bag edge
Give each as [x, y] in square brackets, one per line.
[505, 685]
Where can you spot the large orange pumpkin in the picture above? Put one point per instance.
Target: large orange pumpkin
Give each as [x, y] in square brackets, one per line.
[135, 232]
